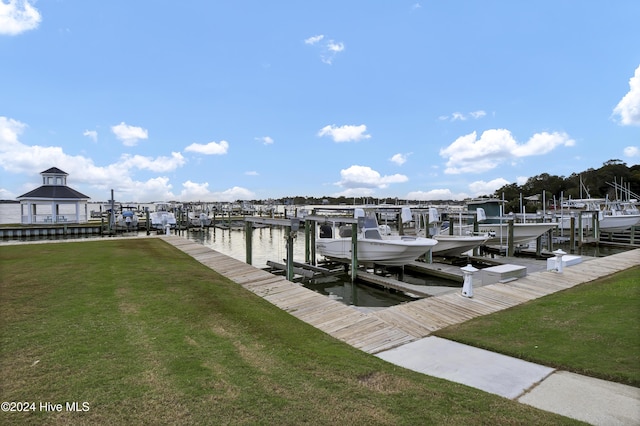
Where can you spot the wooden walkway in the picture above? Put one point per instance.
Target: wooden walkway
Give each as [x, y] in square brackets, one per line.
[378, 331]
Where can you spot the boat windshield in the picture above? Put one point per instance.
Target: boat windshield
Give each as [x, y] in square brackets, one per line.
[370, 222]
[372, 234]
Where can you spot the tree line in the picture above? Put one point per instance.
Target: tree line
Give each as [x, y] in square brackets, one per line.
[594, 183]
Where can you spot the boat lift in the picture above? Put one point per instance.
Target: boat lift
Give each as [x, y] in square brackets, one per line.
[292, 226]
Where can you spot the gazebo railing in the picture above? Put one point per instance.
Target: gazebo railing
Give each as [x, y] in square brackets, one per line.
[48, 219]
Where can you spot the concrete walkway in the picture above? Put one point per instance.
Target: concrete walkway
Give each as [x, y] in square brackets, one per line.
[594, 401]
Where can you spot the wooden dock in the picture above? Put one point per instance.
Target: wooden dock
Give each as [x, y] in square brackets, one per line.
[381, 330]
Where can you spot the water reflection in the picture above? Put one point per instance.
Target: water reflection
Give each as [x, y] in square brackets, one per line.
[270, 244]
[340, 288]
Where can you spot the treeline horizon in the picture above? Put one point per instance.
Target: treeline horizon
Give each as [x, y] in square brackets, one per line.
[591, 183]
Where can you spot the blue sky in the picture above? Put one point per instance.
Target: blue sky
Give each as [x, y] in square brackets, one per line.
[225, 100]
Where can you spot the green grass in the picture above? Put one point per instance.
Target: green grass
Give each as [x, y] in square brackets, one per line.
[147, 335]
[592, 329]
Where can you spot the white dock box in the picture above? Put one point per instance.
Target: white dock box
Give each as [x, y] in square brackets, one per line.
[567, 260]
[503, 273]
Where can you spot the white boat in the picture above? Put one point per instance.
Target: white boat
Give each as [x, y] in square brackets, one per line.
[127, 219]
[523, 233]
[620, 222]
[461, 240]
[199, 219]
[457, 245]
[162, 217]
[612, 215]
[335, 242]
[496, 224]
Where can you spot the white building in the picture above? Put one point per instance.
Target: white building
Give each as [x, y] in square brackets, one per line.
[53, 202]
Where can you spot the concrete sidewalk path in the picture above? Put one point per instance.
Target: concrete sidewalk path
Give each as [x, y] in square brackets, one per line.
[594, 401]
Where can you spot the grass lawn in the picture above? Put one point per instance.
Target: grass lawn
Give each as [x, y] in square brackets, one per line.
[137, 332]
[592, 329]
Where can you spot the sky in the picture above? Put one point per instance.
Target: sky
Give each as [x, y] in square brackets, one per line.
[222, 100]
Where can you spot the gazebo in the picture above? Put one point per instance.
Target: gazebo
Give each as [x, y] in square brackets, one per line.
[53, 202]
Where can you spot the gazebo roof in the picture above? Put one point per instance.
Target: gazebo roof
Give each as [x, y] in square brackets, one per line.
[54, 170]
[54, 192]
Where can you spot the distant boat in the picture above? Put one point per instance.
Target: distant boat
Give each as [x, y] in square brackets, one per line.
[127, 219]
[199, 219]
[497, 226]
[612, 215]
[334, 241]
[162, 217]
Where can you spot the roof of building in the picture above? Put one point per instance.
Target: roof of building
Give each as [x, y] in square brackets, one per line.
[54, 191]
[54, 170]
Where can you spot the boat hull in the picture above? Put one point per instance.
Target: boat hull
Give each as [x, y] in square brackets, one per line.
[388, 252]
[607, 223]
[611, 223]
[456, 245]
[522, 232]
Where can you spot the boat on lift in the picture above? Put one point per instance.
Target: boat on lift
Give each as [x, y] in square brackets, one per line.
[335, 240]
[162, 217]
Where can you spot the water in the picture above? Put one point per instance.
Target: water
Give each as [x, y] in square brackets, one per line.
[270, 244]
[9, 213]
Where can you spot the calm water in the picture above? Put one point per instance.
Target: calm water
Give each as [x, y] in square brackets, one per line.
[270, 244]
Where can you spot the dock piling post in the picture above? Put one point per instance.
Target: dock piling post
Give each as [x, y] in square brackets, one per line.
[354, 252]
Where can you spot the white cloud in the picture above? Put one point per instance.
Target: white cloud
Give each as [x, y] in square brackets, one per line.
[468, 154]
[542, 143]
[346, 133]
[365, 177]
[91, 134]
[212, 148]
[481, 187]
[18, 16]
[436, 194]
[251, 173]
[459, 116]
[628, 109]
[314, 39]
[158, 164]
[129, 135]
[632, 151]
[9, 131]
[265, 140]
[192, 191]
[233, 194]
[399, 159]
[7, 195]
[333, 46]
[328, 50]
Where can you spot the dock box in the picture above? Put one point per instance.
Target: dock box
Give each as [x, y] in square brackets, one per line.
[502, 273]
[567, 260]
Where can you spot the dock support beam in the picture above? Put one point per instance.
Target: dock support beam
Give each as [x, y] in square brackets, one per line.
[289, 233]
[248, 229]
[354, 252]
[510, 248]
